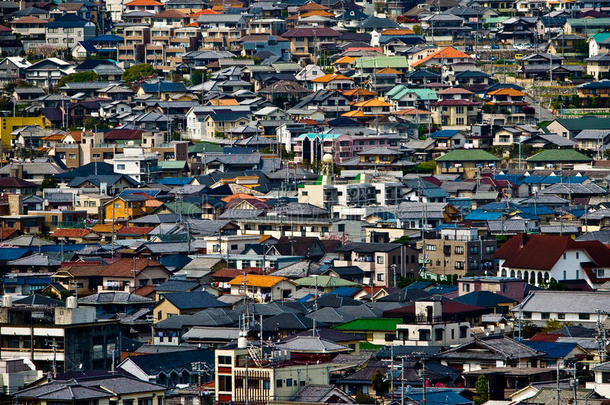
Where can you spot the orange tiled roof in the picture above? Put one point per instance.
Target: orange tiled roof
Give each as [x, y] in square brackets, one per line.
[344, 59]
[507, 92]
[353, 113]
[412, 111]
[320, 13]
[256, 280]
[445, 53]
[373, 102]
[106, 228]
[224, 101]
[144, 3]
[28, 20]
[389, 71]
[330, 77]
[397, 31]
[71, 233]
[53, 137]
[358, 92]
[312, 6]
[135, 230]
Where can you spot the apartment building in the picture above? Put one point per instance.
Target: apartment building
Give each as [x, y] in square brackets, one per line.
[382, 263]
[50, 331]
[268, 380]
[459, 251]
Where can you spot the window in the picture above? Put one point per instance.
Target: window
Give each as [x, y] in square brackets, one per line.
[288, 382]
[459, 250]
[583, 316]
[466, 287]
[452, 334]
[527, 315]
[224, 359]
[379, 276]
[438, 334]
[577, 255]
[120, 166]
[545, 315]
[224, 383]
[159, 315]
[234, 247]
[278, 383]
[389, 337]
[564, 256]
[128, 402]
[490, 249]
[561, 315]
[145, 401]
[431, 248]
[379, 259]
[474, 249]
[459, 265]
[424, 335]
[463, 331]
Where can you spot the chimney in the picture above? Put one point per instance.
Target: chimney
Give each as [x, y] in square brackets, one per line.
[15, 204]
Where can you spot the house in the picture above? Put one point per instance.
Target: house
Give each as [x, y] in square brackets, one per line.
[466, 161]
[564, 259]
[489, 353]
[305, 41]
[184, 303]
[66, 31]
[443, 56]
[556, 159]
[47, 72]
[570, 127]
[11, 68]
[574, 307]
[262, 288]
[382, 263]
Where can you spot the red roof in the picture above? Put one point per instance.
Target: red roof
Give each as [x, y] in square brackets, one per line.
[7, 233]
[545, 337]
[125, 267]
[230, 274]
[449, 307]
[135, 230]
[541, 252]
[123, 134]
[14, 182]
[145, 291]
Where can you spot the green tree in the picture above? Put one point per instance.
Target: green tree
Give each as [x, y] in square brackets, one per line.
[137, 72]
[554, 285]
[417, 29]
[551, 325]
[481, 388]
[403, 240]
[380, 384]
[196, 77]
[49, 182]
[78, 77]
[364, 399]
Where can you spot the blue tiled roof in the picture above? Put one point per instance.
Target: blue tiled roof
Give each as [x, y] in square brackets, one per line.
[420, 285]
[176, 181]
[442, 289]
[438, 396]
[554, 179]
[478, 215]
[513, 178]
[553, 350]
[345, 291]
[107, 38]
[12, 253]
[164, 87]
[537, 210]
[435, 192]
[444, 133]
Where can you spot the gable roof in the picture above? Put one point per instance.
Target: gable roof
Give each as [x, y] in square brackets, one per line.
[468, 155]
[194, 300]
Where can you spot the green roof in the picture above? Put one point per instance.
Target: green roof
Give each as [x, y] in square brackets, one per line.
[600, 36]
[468, 155]
[172, 164]
[371, 324]
[588, 22]
[578, 124]
[559, 155]
[380, 62]
[324, 282]
[312, 135]
[205, 147]
[495, 20]
[398, 91]
[183, 207]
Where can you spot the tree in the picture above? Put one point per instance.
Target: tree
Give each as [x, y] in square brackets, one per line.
[364, 399]
[417, 29]
[403, 240]
[196, 77]
[137, 72]
[380, 384]
[49, 182]
[481, 388]
[78, 77]
[551, 325]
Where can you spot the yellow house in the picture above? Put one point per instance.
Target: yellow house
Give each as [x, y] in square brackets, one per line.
[9, 124]
[123, 208]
